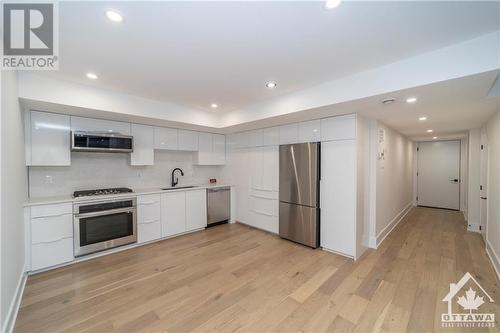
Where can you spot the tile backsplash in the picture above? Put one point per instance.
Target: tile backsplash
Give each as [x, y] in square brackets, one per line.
[95, 170]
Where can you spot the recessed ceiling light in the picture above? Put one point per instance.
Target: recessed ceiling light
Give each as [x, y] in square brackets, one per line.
[422, 118]
[429, 131]
[92, 76]
[214, 106]
[114, 16]
[331, 4]
[434, 137]
[271, 85]
[411, 100]
[388, 101]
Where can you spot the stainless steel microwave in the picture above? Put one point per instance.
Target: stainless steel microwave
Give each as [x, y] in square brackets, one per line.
[101, 142]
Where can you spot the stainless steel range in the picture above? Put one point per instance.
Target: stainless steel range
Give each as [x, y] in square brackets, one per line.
[105, 223]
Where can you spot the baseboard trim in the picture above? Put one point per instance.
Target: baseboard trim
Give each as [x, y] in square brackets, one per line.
[495, 260]
[395, 221]
[10, 320]
[338, 253]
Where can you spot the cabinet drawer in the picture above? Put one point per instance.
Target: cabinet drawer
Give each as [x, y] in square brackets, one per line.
[148, 231]
[51, 210]
[50, 254]
[148, 208]
[51, 228]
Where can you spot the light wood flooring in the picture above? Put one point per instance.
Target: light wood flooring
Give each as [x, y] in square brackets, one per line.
[234, 278]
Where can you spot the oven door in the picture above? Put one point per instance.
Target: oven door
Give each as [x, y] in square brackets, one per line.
[104, 230]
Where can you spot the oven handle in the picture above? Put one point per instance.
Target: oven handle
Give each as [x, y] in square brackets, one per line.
[107, 212]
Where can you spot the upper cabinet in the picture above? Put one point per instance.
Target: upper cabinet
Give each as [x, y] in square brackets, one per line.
[99, 125]
[166, 138]
[310, 131]
[271, 136]
[289, 134]
[188, 140]
[143, 153]
[211, 149]
[47, 139]
[338, 128]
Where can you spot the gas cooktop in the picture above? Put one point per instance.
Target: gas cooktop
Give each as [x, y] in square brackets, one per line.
[104, 191]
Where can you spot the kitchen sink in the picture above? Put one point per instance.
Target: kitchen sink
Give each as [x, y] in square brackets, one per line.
[177, 188]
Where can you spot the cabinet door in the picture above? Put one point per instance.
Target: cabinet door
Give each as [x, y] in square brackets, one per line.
[270, 171]
[196, 209]
[338, 196]
[205, 142]
[147, 232]
[219, 149]
[338, 128]
[256, 163]
[143, 153]
[166, 138]
[271, 136]
[50, 139]
[173, 213]
[310, 131]
[255, 138]
[99, 125]
[289, 134]
[188, 140]
[53, 253]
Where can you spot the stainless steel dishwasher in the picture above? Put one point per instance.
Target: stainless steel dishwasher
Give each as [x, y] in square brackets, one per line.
[218, 205]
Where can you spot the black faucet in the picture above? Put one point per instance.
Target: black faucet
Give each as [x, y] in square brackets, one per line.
[176, 181]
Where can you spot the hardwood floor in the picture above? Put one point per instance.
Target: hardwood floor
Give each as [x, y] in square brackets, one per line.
[235, 278]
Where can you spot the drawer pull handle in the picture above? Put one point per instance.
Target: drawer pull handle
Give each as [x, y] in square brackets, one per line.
[51, 241]
[262, 213]
[149, 222]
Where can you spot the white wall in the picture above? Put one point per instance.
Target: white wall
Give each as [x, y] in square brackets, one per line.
[13, 195]
[493, 227]
[394, 179]
[473, 179]
[91, 170]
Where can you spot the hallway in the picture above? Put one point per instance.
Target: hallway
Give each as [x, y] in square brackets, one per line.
[236, 278]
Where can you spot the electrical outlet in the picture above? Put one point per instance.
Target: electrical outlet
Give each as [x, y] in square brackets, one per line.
[49, 180]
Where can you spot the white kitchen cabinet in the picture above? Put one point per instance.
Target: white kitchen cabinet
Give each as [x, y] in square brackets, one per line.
[205, 142]
[270, 168]
[99, 125]
[196, 209]
[255, 138]
[338, 128]
[173, 213]
[211, 149]
[271, 136]
[310, 131]
[289, 134]
[52, 253]
[166, 138]
[50, 235]
[143, 153]
[148, 218]
[148, 208]
[338, 196]
[187, 140]
[47, 139]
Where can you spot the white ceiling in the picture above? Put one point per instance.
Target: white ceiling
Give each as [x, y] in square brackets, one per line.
[197, 53]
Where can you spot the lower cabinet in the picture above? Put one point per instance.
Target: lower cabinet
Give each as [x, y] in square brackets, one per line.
[173, 213]
[51, 235]
[183, 211]
[148, 218]
[196, 209]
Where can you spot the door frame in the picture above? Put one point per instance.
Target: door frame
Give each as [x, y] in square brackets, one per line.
[484, 174]
[459, 172]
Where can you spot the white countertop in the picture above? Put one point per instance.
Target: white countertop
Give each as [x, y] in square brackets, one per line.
[69, 198]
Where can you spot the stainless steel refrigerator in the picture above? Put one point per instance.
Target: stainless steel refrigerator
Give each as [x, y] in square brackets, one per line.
[299, 174]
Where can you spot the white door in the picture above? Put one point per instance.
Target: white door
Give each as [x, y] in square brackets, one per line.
[483, 190]
[439, 174]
